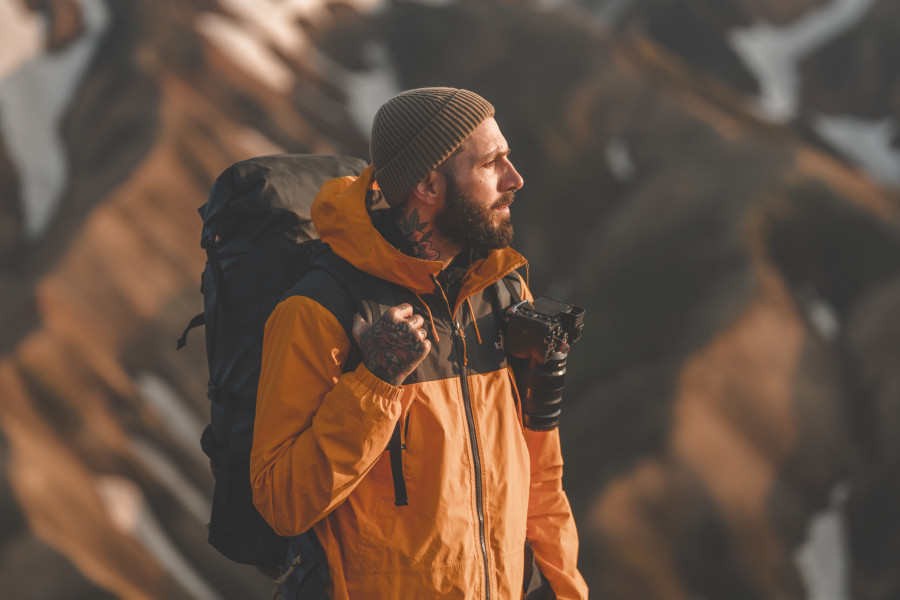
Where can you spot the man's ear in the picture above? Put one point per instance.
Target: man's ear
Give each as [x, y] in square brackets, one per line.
[430, 191]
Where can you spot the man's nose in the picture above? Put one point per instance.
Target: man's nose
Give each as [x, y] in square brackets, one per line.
[512, 180]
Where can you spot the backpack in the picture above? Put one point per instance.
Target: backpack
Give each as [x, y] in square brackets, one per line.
[259, 242]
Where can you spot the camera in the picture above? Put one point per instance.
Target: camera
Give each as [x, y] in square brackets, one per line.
[537, 337]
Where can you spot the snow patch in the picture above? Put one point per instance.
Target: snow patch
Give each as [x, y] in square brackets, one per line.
[619, 161]
[32, 103]
[866, 143]
[250, 53]
[820, 314]
[257, 143]
[22, 32]
[772, 53]
[182, 423]
[167, 473]
[253, 29]
[368, 90]
[128, 511]
[274, 20]
[823, 558]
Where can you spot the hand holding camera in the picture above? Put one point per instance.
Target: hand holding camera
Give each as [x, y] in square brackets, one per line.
[537, 338]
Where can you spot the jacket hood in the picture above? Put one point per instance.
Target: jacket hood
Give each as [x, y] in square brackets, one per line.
[342, 220]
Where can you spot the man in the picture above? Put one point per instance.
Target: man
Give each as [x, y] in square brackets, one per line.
[483, 493]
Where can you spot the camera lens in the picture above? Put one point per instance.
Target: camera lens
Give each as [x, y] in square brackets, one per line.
[540, 387]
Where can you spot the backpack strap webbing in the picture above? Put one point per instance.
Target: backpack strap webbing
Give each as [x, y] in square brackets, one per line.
[395, 448]
[349, 277]
[505, 294]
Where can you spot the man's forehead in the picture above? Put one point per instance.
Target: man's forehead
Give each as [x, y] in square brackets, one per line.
[485, 140]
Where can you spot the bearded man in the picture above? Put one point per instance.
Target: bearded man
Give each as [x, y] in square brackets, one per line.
[398, 439]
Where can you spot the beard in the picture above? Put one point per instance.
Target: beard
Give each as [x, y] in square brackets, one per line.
[466, 222]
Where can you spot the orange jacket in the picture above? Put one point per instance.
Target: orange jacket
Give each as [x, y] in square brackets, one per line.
[319, 456]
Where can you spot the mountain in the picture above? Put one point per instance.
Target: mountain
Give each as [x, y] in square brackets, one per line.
[729, 427]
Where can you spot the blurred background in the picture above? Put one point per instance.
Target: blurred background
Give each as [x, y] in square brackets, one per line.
[715, 181]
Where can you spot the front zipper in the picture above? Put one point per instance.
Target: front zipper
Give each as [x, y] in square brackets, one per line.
[476, 457]
[459, 344]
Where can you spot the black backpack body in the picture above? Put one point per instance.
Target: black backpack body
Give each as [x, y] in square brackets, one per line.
[259, 242]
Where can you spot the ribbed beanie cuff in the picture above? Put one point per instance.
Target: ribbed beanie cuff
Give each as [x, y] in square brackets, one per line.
[416, 130]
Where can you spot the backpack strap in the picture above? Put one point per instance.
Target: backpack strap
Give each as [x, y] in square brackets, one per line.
[345, 274]
[350, 278]
[395, 448]
[505, 294]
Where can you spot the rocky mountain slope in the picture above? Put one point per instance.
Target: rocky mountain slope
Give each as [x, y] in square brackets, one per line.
[731, 429]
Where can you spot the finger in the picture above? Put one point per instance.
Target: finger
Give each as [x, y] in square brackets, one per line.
[416, 321]
[402, 311]
[359, 326]
[416, 326]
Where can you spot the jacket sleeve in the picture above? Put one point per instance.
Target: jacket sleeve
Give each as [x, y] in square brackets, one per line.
[551, 527]
[318, 430]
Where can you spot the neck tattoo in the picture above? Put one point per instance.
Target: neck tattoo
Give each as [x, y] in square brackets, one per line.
[419, 235]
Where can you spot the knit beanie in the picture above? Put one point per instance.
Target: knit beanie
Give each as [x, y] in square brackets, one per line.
[416, 130]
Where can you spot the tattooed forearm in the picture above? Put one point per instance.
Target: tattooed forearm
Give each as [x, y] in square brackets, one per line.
[419, 235]
[390, 349]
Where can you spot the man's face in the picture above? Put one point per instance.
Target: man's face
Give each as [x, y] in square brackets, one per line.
[481, 182]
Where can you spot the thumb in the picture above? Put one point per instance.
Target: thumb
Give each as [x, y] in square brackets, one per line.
[359, 326]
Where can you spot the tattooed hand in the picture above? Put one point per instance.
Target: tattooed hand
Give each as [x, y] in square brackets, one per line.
[394, 345]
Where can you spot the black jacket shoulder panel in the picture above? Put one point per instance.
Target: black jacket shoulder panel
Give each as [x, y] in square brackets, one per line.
[324, 288]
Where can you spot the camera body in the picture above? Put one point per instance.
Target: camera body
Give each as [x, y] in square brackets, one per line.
[537, 338]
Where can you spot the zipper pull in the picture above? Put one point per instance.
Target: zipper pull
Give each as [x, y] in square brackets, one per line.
[462, 338]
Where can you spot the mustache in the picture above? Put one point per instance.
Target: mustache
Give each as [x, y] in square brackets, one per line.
[505, 199]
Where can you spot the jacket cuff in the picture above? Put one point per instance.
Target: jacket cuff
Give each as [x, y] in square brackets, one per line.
[377, 385]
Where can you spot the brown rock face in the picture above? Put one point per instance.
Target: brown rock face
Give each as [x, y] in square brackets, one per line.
[741, 291]
[104, 471]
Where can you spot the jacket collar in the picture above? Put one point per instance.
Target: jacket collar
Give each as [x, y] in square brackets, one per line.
[340, 216]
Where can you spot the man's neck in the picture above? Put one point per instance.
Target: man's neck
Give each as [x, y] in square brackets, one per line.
[424, 239]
